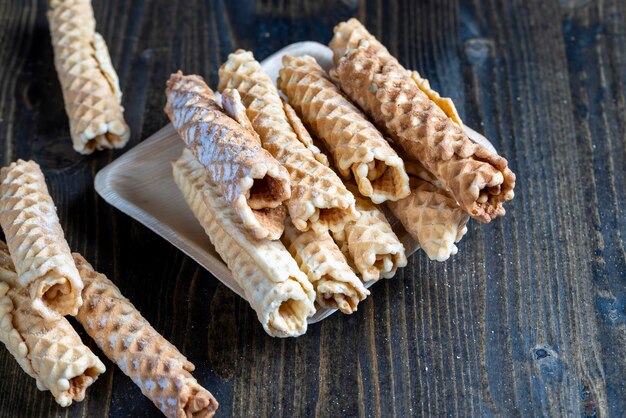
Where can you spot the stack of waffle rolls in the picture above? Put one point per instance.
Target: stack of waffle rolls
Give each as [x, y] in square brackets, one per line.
[277, 290]
[478, 179]
[307, 86]
[89, 82]
[336, 239]
[46, 347]
[319, 200]
[253, 183]
[41, 281]
[356, 145]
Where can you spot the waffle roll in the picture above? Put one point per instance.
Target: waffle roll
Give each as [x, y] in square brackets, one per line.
[336, 286]
[155, 365]
[347, 36]
[432, 217]
[91, 91]
[36, 241]
[369, 242]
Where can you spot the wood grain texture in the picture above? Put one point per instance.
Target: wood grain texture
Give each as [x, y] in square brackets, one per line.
[529, 319]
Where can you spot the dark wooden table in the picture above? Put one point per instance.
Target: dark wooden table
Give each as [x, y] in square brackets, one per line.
[529, 319]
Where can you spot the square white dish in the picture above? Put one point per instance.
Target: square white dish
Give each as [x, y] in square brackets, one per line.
[140, 184]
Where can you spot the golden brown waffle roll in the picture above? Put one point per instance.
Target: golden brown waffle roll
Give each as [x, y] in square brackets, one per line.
[48, 349]
[250, 179]
[155, 365]
[348, 35]
[477, 178]
[371, 244]
[273, 284]
[90, 85]
[355, 144]
[433, 218]
[336, 285]
[319, 200]
[38, 247]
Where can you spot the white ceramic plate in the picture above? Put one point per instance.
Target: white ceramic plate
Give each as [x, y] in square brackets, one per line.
[140, 184]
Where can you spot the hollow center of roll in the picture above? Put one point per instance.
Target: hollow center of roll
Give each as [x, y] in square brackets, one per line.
[288, 317]
[376, 169]
[200, 403]
[266, 192]
[286, 309]
[383, 180]
[79, 384]
[380, 262]
[56, 291]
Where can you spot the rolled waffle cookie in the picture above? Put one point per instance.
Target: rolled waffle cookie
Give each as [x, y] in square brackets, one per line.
[479, 179]
[319, 200]
[48, 349]
[336, 286]
[348, 35]
[371, 244]
[38, 248]
[90, 85]
[250, 179]
[273, 284]
[432, 217]
[155, 365]
[356, 145]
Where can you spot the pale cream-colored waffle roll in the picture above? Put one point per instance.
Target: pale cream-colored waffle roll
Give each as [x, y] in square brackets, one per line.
[303, 135]
[36, 241]
[155, 365]
[432, 217]
[90, 85]
[250, 179]
[273, 284]
[347, 36]
[371, 244]
[479, 179]
[319, 200]
[335, 284]
[356, 145]
[48, 349]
